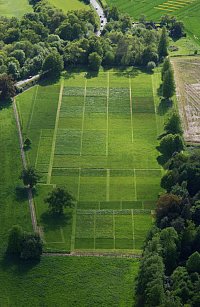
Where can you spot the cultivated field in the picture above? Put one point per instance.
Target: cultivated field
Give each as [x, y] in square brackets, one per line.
[187, 11]
[68, 5]
[187, 74]
[96, 136]
[54, 281]
[15, 8]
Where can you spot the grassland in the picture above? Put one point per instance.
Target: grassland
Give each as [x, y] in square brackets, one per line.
[69, 5]
[186, 11]
[15, 8]
[55, 281]
[96, 136]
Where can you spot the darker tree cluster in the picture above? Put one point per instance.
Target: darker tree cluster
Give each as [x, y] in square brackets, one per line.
[169, 273]
[24, 245]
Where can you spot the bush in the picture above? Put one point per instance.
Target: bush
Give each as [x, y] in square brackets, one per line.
[150, 66]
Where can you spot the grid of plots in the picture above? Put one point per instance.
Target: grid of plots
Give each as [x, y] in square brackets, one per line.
[113, 230]
[173, 5]
[106, 139]
[97, 137]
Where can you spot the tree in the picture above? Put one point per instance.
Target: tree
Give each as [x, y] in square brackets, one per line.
[23, 244]
[177, 30]
[170, 144]
[173, 124]
[150, 66]
[168, 87]
[53, 64]
[166, 66]
[31, 246]
[193, 263]
[7, 87]
[94, 60]
[30, 177]
[58, 199]
[163, 44]
[14, 240]
[168, 205]
[27, 143]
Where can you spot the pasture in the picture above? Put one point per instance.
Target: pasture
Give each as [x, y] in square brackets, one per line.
[69, 5]
[53, 281]
[16, 8]
[96, 136]
[187, 11]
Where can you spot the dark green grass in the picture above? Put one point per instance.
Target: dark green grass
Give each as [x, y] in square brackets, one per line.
[74, 281]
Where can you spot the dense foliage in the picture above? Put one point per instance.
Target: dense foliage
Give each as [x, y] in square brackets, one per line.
[170, 270]
[48, 35]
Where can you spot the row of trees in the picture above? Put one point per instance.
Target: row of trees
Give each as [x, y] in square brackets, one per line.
[48, 36]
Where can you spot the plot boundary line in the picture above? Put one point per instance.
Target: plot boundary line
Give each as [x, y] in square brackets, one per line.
[83, 116]
[55, 133]
[94, 215]
[113, 230]
[107, 112]
[79, 183]
[135, 184]
[133, 228]
[38, 148]
[131, 107]
[108, 185]
[105, 169]
[32, 109]
[155, 108]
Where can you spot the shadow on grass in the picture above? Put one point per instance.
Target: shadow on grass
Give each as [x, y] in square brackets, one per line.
[5, 104]
[21, 194]
[52, 221]
[164, 106]
[17, 265]
[162, 160]
[46, 80]
[122, 71]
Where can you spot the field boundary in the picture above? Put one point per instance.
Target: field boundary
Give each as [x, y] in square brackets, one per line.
[55, 133]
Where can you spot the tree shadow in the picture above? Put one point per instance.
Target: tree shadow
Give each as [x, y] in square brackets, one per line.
[52, 221]
[162, 160]
[46, 80]
[122, 71]
[17, 265]
[21, 194]
[164, 106]
[5, 104]
[91, 74]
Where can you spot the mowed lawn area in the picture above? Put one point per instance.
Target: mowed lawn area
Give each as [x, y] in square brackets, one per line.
[17, 8]
[55, 281]
[97, 137]
[69, 5]
[187, 11]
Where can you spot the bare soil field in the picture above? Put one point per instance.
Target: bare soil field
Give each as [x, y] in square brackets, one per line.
[187, 77]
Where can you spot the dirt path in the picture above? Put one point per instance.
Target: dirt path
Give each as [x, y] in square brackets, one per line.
[30, 195]
[91, 254]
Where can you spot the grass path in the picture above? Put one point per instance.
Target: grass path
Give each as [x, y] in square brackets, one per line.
[55, 133]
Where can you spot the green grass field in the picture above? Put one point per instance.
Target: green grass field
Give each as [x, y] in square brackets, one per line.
[187, 11]
[55, 281]
[15, 8]
[96, 136]
[69, 5]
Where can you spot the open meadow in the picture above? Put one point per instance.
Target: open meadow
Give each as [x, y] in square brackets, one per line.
[15, 8]
[187, 11]
[96, 136]
[54, 281]
[69, 5]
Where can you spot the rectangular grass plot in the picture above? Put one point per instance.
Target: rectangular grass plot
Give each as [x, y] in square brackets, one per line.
[150, 179]
[73, 91]
[104, 243]
[84, 243]
[142, 224]
[143, 105]
[123, 226]
[68, 142]
[96, 92]
[85, 226]
[121, 185]
[95, 105]
[94, 143]
[104, 226]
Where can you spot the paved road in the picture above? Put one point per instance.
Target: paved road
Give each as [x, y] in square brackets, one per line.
[99, 10]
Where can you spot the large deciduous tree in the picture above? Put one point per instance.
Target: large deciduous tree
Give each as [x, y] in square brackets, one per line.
[163, 44]
[30, 177]
[58, 199]
[7, 87]
[53, 64]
